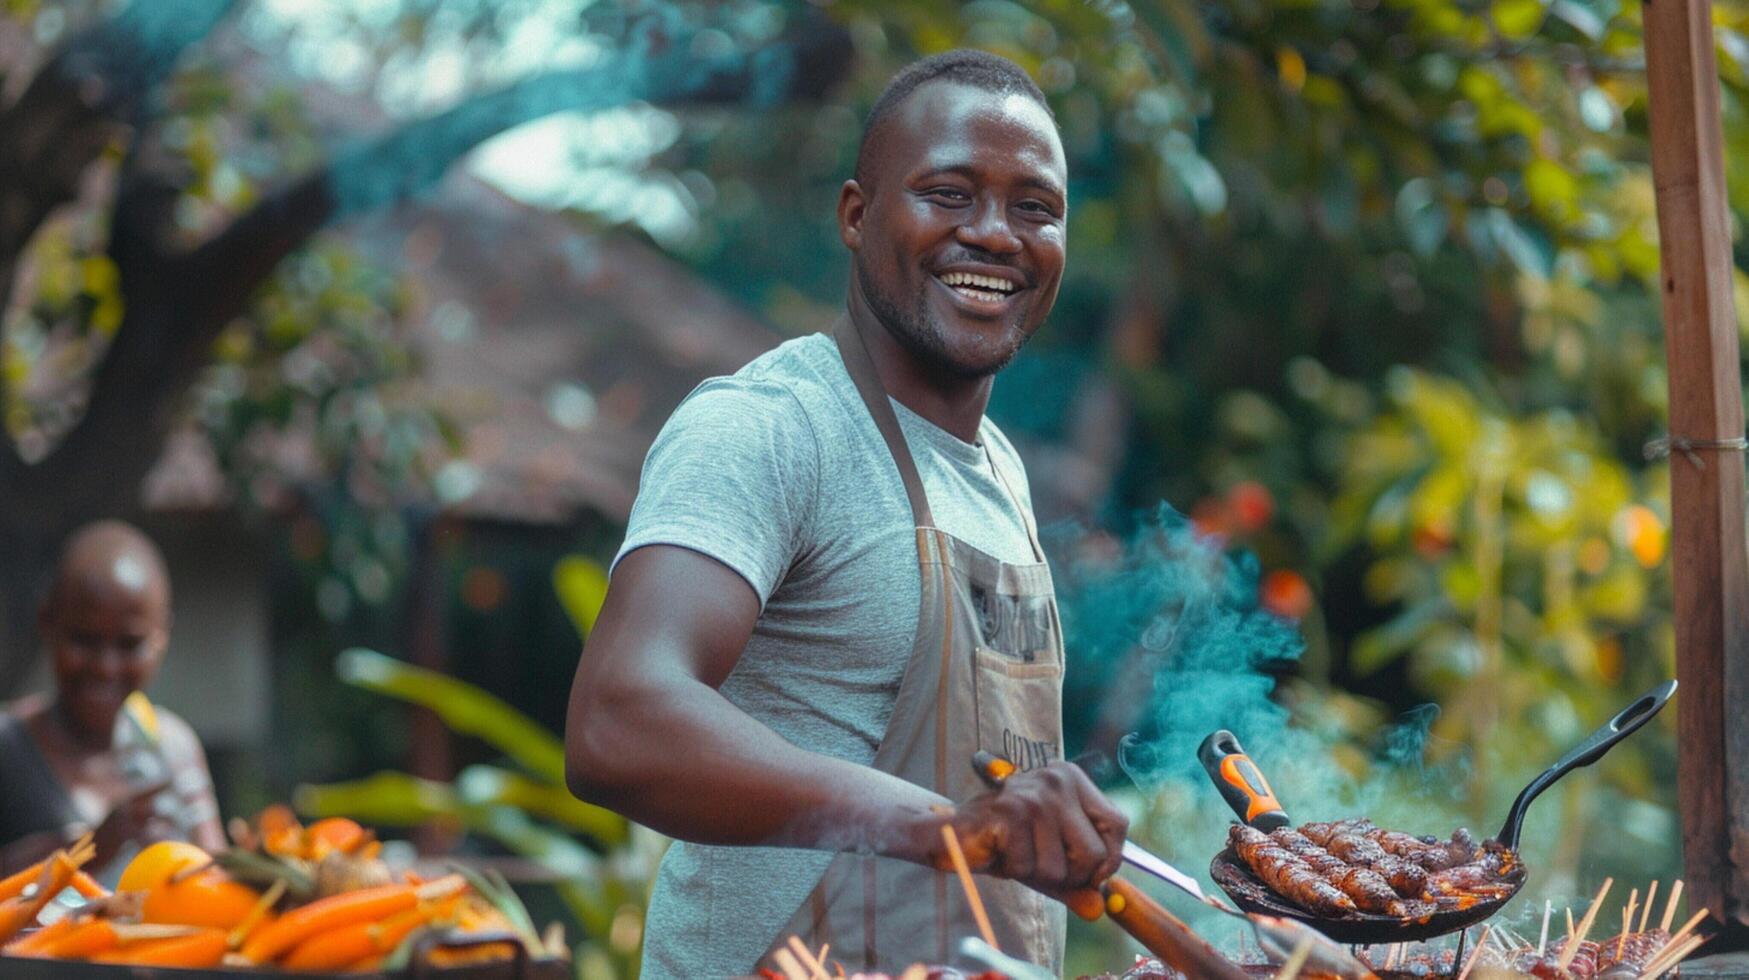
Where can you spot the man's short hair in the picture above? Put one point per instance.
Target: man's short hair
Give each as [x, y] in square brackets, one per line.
[967, 66]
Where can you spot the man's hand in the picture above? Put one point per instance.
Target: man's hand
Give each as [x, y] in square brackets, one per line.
[1050, 829]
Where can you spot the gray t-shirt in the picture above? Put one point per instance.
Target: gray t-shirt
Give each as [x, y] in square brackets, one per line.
[779, 473]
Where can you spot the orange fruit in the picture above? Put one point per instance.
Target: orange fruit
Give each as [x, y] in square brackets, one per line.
[208, 898]
[158, 863]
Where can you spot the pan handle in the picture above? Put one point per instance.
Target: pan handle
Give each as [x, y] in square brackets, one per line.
[1626, 721]
[1240, 781]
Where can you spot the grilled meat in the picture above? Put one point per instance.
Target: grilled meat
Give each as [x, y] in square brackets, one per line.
[1427, 852]
[1370, 891]
[1637, 949]
[1286, 874]
[1320, 833]
[1407, 879]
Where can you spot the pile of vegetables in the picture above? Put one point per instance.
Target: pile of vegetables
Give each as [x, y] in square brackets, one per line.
[286, 896]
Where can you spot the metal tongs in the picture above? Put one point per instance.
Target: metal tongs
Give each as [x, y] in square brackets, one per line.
[1279, 938]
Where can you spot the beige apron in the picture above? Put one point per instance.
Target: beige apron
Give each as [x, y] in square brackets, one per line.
[985, 672]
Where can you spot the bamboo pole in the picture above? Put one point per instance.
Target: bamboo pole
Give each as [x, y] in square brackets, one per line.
[1708, 560]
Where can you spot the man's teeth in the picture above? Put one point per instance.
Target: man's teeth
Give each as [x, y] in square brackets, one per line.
[979, 287]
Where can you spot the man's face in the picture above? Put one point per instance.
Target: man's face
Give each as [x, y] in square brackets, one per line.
[958, 235]
[106, 636]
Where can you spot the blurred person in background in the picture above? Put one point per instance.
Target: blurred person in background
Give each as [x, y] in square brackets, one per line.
[94, 757]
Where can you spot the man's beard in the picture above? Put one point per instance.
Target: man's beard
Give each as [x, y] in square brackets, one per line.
[922, 335]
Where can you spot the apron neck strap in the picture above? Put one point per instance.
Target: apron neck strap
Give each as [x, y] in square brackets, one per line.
[868, 384]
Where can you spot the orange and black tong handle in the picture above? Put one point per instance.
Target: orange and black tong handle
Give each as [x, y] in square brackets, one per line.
[1088, 903]
[1240, 781]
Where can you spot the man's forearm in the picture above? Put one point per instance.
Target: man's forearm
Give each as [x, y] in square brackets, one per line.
[676, 756]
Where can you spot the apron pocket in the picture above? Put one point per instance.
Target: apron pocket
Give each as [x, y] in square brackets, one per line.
[1019, 708]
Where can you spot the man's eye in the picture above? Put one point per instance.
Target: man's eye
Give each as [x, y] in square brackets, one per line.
[949, 194]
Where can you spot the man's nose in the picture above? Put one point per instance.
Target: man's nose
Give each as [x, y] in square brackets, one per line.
[987, 228]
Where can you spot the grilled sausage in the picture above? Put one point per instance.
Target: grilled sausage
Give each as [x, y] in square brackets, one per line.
[1287, 875]
[1427, 852]
[1320, 833]
[1370, 891]
[1407, 879]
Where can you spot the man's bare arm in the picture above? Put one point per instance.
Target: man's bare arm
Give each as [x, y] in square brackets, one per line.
[648, 735]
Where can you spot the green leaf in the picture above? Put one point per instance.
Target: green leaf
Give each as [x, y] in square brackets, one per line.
[389, 799]
[1532, 253]
[1422, 216]
[581, 585]
[1378, 647]
[1518, 19]
[482, 785]
[1579, 17]
[462, 706]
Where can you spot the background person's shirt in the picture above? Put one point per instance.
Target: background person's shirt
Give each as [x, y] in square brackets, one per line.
[779, 473]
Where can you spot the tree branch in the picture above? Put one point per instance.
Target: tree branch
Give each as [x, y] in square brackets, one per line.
[178, 304]
[75, 106]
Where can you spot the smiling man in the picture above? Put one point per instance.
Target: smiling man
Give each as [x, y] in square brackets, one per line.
[831, 592]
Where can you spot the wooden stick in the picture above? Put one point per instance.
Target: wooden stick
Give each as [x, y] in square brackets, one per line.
[1688, 927]
[1542, 941]
[1476, 953]
[1295, 961]
[1569, 925]
[786, 961]
[1646, 910]
[958, 857]
[1627, 918]
[1671, 955]
[806, 957]
[1633, 903]
[1670, 907]
[1572, 949]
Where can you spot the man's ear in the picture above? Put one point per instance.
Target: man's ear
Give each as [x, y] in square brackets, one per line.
[852, 205]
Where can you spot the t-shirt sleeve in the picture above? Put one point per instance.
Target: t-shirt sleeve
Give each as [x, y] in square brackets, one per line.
[732, 475]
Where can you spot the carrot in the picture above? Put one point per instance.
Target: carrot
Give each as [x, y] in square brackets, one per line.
[338, 947]
[362, 905]
[33, 944]
[90, 936]
[87, 886]
[81, 851]
[263, 911]
[200, 949]
[18, 911]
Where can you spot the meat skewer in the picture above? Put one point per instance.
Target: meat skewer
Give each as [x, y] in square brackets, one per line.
[1286, 874]
[1370, 891]
[1408, 880]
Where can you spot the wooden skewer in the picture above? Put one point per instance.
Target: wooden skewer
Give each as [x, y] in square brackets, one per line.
[1476, 953]
[1572, 949]
[786, 961]
[1670, 907]
[1671, 955]
[1296, 960]
[1542, 941]
[1633, 904]
[1569, 925]
[805, 956]
[1627, 918]
[958, 857]
[1646, 910]
[1687, 927]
